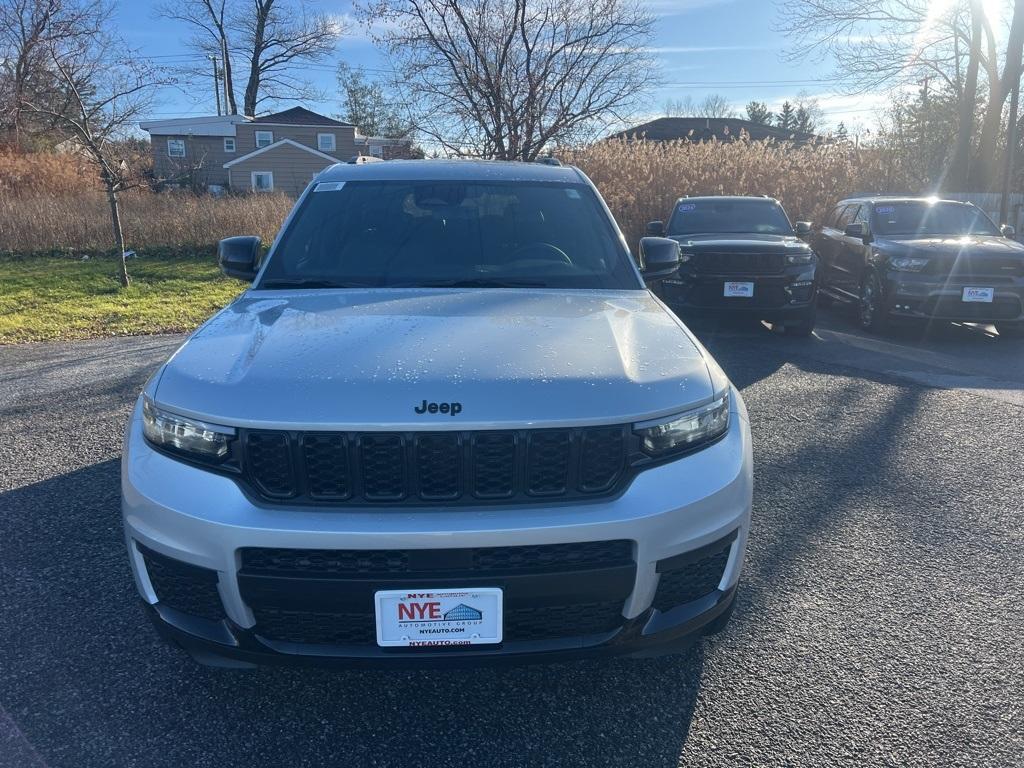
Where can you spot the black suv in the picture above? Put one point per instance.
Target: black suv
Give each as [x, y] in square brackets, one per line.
[740, 255]
[913, 257]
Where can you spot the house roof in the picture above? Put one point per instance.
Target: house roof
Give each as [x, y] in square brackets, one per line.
[275, 145]
[698, 129]
[299, 116]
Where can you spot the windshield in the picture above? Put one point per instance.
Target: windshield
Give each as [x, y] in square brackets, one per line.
[765, 217]
[923, 218]
[450, 233]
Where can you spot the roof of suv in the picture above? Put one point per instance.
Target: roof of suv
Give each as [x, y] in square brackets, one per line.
[898, 199]
[761, 198]
[451, 170]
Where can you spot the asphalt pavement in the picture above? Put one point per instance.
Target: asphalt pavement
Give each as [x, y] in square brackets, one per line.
[880, 618]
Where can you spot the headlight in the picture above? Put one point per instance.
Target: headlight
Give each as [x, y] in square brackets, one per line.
[908, 263]
[685, 257]
[685, 431]
[194, 439]
[800, 258]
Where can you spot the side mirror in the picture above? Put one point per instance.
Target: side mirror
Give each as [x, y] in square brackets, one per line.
[239, 257]
[656, 228]
[1008, 231]
[659, 258]
[858, 229]
[802, 228]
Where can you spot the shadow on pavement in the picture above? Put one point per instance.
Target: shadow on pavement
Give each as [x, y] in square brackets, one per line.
[86, 681]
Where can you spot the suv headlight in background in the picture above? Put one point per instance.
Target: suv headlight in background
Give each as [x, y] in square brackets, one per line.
[197, 440]
[685, 431]
[800, 258]
[908, 263]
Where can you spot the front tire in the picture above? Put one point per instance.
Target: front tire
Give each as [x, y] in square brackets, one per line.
[871, 311]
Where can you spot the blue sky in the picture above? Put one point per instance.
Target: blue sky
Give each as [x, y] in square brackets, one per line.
[705, 46]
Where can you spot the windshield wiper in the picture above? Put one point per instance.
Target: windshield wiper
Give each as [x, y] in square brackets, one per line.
[306, 283]
[478, 283]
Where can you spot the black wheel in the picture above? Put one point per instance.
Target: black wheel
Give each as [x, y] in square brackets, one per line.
[1011, 330]
[804, 326]
[871, 311]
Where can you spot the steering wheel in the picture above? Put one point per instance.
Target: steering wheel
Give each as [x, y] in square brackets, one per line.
[541, 250]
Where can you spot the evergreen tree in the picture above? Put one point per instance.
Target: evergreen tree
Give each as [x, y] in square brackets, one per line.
[803, 122]
[841, 135]
[758, 112]
[786, 119]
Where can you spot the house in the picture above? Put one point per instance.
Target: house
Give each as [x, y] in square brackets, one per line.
[278, 152]
[700, 129]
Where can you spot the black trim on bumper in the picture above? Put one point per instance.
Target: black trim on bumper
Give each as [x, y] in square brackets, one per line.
[650, 634]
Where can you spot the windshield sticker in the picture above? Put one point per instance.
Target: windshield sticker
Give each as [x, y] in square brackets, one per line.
[572, 194]
[885, 209]
[329, 186]
[684, 207]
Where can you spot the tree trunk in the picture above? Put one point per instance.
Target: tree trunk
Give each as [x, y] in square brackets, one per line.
[115, 221]
[959, 164]
[985, 172]
[252, 87]
[230, 105]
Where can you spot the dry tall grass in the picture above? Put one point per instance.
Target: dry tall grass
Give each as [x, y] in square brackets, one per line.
[48, 202]
[82, 223]
[642, 180]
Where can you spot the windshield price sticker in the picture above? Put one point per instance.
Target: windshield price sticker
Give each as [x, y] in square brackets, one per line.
[329, 186]
[684, 207]
[438, 617]
[885, 209]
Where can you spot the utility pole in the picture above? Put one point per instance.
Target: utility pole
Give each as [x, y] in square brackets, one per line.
[216, 81]
[1011, 152]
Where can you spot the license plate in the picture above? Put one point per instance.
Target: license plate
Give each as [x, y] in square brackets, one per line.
[979, 294]
[743, 290]
[438, 617]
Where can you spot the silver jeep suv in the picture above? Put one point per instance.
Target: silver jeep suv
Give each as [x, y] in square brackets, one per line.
[447, 423]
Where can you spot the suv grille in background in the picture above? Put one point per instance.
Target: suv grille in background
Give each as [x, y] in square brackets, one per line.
[434, 467]
[187, 588]
[739, 263]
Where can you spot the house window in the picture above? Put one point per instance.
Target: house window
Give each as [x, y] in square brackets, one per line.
[229, 143]
[325, 142]
[175, 147]
[264, 138]
[377, 150]
[262, 181]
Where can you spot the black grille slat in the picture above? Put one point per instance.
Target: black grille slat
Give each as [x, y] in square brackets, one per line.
[317, 563]
[383, 465]
[328, 474]
[739, 263]
[268, 455]
[434, 467]
[547, 462]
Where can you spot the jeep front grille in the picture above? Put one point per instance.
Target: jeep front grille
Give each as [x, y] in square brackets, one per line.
[739, 263]
[470, 467]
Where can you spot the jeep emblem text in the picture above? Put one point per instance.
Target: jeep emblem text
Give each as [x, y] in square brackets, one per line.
[453, 408]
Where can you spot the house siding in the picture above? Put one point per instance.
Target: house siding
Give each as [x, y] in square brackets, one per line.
[293, 169]
[344, 137]
[204, 159]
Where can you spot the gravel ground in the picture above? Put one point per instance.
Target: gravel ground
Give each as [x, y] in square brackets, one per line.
[879, 622]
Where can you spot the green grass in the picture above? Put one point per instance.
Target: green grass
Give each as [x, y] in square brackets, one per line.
[50, 297]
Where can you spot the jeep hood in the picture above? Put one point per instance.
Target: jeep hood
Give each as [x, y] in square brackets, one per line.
[355, 359]
[740, 243]
[949, 246]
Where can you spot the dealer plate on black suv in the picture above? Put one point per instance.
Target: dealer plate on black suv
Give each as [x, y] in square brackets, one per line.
[438, 617]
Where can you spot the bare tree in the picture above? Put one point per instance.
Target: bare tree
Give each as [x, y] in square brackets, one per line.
[277, 38]
[959, 161]
[27, 29]
[266, 42]
[509, 78]
[110, 88]
[212, 36]
[999, 87]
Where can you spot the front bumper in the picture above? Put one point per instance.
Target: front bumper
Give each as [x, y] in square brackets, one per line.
[776, 297]
[176, 513]
[917, 296]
